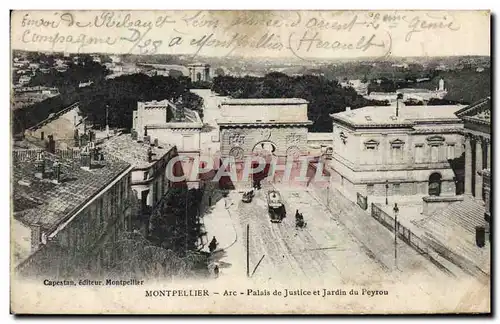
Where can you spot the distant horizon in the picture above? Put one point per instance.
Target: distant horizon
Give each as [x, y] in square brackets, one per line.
[365, 58]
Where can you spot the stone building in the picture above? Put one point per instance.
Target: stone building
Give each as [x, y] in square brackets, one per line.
[62, 126]
[263, 126]
[149, 175]
[477, 123]
[199, 72]
[397, 151]
[163, 122]
[67, 208]
[460, 229]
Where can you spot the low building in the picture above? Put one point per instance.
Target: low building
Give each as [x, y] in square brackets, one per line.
[149, 180]
[320, 144]
[67, 208]
[164, 122]
[62, 126]
[398, 151]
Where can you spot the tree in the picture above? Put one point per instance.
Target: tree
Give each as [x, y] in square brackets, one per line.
[324, 96]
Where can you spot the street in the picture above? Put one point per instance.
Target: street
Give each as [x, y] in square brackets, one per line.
[323, 249]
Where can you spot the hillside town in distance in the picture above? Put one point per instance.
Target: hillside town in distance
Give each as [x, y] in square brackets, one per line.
[165, 167]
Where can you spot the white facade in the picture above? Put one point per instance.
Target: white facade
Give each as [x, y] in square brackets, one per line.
[377, 153]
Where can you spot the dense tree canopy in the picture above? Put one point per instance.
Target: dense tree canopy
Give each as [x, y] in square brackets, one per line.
[120, 96]
[325, 97]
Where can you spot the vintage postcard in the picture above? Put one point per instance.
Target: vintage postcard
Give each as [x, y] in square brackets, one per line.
[250, 162]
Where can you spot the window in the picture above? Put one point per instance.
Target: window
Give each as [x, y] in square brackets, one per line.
[434, 153]
[450, 152]
[369, 189]
[397, 151]
[146, 175]
[419, 153]
[100, 208]
[396, 189]
[435, 184]
[371, 145]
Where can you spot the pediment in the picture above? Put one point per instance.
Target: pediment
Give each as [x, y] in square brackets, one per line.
[480, 109]
[435, 138]
[372, 142]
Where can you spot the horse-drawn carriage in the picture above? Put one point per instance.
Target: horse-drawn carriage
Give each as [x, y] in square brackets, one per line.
[248, 196]
[299, 220]
[276, 207]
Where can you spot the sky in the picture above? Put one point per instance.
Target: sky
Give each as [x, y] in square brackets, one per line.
[274, 34]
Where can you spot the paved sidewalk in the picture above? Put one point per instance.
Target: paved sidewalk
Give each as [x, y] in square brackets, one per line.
[229, 255]
[378, 240]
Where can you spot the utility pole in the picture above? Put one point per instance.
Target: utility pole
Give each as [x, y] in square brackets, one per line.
[396, 211]
[186, 220]
[386, 190]
[248, 250]
[328, 196]
[107, 125]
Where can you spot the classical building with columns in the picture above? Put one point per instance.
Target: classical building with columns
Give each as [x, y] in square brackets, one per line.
[397, 152]
[462, 227]
[477, 131]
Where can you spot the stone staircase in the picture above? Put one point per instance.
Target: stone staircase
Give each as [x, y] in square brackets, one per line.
[451, 233]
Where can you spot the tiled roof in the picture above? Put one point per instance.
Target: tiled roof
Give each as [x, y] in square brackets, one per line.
[46, 203]
[386, 115]
[125, 148]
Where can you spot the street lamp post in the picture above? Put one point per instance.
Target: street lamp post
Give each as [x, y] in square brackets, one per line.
[396, 211]
[386, 191]
[107, 125]
[328, 196]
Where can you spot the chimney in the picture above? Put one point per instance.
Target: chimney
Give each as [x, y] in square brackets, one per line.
[134, 134]
[36, 237]
[347, 108]
[76, 136]
[51, 146]
[86, 161]
[147, 140]
[56, 168]
[150, 154]
[42, 136]
[155, 142]
[40, 165]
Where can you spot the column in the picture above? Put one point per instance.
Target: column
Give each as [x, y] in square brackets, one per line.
[479, 168]
[488, 153]
[468, 165]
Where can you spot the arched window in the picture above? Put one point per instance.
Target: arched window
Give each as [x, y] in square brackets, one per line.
[435, 184]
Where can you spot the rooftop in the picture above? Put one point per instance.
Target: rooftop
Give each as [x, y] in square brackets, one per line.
[127, 149]
[319, 136]
[264, 101]
[43, 202]
[386, 115]
[413, 90]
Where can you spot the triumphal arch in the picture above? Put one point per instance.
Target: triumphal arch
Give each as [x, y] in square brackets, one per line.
[265, 127]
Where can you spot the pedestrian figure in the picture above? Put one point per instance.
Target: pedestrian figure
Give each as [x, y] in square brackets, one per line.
[213, 245]
[216, 271]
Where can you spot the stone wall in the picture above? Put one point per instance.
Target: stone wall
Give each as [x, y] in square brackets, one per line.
[433, 204]
[283, 138]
